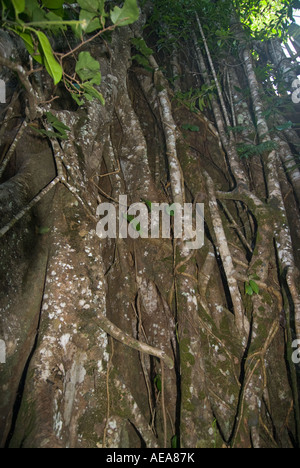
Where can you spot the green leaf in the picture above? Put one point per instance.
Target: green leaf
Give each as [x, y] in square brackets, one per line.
[142, 60]
[52, 66]
[169, 211]
[90, 92]
[174, 442]
[88, 69]
[53, 4]
[44, 133]
[126, 15]
[191, 128]
[133, 222]
[254, 286]
[19, 6]
[77, 99]
[149, 204]
[93, 6]
[285, 126]
[249, 291]
[43, 230]
[59, 126]
[142, 47]
[27, 39]
[91, 21]
[157, 382]
[55, 122]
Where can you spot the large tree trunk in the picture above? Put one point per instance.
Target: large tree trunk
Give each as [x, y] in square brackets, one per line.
[67, 380]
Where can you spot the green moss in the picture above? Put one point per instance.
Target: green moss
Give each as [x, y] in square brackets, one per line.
[86, 426]
[187, 362]
[266, 298]
[185, 354]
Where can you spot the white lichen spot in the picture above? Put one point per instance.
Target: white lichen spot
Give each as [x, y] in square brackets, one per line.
[64, 340]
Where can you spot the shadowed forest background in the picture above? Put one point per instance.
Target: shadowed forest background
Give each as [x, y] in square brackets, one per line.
[124, 343]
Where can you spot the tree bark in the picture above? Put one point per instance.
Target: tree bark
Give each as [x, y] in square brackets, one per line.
[130, 343]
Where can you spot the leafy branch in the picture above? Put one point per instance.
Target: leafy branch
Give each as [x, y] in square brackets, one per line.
[31, 21]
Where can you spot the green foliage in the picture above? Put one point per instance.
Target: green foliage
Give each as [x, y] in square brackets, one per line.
[196, 99]
[191, 128]
[175, 442]
[52, 66]
[149, 205]
[144, 52]
[59, 128]
[267, 18]
[33, 21]
[88, 71]
[43, 230]
[19, 6]
[175, 23]
[286, 126]
[158, 383]
[126, 15]
[133, 222]
[170, 211]
[248, 150]
[92, 15]
[251, 288]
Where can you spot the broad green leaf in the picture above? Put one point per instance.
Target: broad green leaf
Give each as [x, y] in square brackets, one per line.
[248, 289]
[90, 92]
[53, 4]
[52, 66]
[88, 69]
[254, 286]
[126, 15]
[31, 6]
[91, 21]
[27, 39]
[93, 6]
[56, 123]
[19, 6]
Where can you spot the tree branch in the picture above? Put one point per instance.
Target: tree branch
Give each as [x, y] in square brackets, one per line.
[127, 340]
[13, 147]
[240, 318]
[23, 77]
